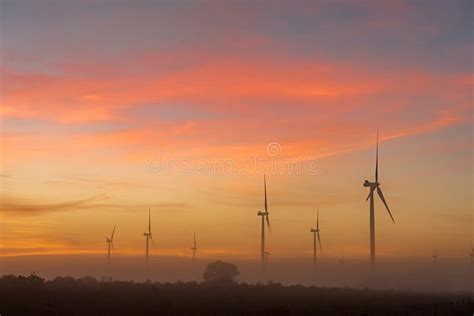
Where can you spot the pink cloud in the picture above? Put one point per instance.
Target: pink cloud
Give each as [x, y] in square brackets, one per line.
[259, 99]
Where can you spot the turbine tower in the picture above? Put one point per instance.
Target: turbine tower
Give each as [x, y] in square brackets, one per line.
[148, 237]
[375, 186]
[264, 214]
[110, 244]
[316, 235]
[194, 247]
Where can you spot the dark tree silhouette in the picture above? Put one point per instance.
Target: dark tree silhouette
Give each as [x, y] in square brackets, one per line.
[220, 272]
[32, 295]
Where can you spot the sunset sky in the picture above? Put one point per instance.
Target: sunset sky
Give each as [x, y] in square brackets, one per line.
[97, 96]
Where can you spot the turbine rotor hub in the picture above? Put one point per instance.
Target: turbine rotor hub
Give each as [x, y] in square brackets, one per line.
[367, 183]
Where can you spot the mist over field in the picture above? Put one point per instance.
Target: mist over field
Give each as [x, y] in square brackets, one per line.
[450, 275]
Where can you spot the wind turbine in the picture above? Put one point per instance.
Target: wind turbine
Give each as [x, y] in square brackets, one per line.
[266, 253]
[341, 260]
[264, 214]
[435, 257]
[194, 247]
[110, 244]
[472, 255]
[375, 186]
[315, 232]
[148, 237]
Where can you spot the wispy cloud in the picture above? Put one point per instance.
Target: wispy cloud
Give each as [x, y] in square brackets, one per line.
[20, 206]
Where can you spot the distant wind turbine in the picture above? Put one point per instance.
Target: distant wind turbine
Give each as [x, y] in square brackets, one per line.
[315, 232]
[110, 244]
[435, 257]
[375, 186]
[148, 237]
[266, 253]
[472, 255]
[194, 247]
[264, 214]
[341, 260]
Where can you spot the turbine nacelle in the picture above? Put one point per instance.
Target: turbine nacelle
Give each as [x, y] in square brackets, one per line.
[367, 183]
[262, 213]
[314, 230]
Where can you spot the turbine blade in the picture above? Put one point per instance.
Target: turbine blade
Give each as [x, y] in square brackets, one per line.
[265, 189]
[319, 240]
[113, 232]
[112, 245]
[268, 223]
[195, 244]
[370, 193]
[385, 203]
[317, 218]
[377, 159]
[149, 220]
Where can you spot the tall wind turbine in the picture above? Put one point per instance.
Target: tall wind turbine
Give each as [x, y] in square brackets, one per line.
[316, 235]
[110, 244]
[194, 247]
[148, 237]
[375, 186]
[264, 214]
